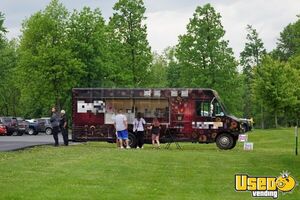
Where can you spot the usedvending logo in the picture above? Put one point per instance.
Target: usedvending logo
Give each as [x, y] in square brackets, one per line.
[265, 186]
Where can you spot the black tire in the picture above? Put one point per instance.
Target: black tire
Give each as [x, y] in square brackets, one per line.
[9, 133]
[234, 142]
[225, 141]
[15, 133]
[31, 131]
[48, 131]
[131, 140]
[19, 133]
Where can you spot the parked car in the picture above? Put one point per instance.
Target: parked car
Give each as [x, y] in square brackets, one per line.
[2, 129]
[11, 124]
[39, 125]
[23, 126]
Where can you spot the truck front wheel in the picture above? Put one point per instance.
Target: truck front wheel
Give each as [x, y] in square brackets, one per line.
[225, 141]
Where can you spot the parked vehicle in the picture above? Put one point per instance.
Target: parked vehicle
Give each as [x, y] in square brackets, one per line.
[39, 125]
[196, 115]
[2, 129]
[23, 126]
[11, 125]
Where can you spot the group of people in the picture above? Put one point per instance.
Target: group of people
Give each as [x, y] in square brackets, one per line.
[139, 128]
[59, 123]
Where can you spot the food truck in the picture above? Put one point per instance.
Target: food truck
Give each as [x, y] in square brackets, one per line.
[185, 114]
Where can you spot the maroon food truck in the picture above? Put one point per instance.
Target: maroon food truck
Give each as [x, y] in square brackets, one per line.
[196, 115]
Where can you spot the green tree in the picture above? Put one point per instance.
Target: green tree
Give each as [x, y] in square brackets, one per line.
[157, 76]
[274, 86]
[2, 32]
[87, 41]
[205, 58]
[289, 42]
[173, 68]
[46, 65]
[293, 110]
[2, 28]
[9, 94]
[130, 47]
[251, 57]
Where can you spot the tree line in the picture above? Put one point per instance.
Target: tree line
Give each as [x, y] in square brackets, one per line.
[59, 50]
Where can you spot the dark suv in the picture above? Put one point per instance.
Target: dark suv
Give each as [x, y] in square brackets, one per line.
[40, 125]
[11, 124]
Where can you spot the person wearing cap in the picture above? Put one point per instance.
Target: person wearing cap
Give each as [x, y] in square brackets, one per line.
[64, 127]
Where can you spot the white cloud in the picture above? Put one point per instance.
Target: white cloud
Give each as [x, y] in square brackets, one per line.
[165, 27]
[167, 19]
[267, 17]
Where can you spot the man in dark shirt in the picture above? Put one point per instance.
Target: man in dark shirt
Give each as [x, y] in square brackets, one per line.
[55, 125]
[64, 127]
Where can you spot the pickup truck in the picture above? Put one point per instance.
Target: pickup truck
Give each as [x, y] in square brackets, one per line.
[11, 125]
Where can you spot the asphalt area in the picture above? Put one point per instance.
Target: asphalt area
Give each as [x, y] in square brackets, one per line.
[12, 143]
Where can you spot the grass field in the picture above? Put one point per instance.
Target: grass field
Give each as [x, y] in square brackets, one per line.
[100, 171]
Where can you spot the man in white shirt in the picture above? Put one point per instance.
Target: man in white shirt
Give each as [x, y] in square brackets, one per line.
[121, 128]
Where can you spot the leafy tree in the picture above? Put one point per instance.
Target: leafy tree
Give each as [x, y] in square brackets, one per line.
[274, 86]
[157, 76]
[2, 28]
[293, 110]
[289, 42]
[130, 50]
[251, 57]
[46, 65]
[173, 68]
[205, 58]
[87, 41]
[9, 94]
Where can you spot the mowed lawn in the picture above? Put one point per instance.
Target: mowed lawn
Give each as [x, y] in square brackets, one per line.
[100, 171]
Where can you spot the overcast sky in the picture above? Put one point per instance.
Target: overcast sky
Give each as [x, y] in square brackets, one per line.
[166, 19]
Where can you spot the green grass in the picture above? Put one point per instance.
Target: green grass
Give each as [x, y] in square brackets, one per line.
[100, 171]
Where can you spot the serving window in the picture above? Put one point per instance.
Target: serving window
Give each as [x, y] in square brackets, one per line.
[149, 108]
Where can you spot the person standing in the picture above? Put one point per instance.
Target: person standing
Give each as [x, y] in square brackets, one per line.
[155, 129]
[113, 118]
[121, 126]
[54, 120]
[138, 128]
[64, 127]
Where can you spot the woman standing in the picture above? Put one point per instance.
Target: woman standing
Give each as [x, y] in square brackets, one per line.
[155, 129]
[138, 128]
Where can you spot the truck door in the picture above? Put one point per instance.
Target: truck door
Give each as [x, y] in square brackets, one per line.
[217, 110]
[208, 115]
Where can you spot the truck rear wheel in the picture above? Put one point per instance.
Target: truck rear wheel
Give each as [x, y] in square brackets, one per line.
[225, 141]
[131, 140]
